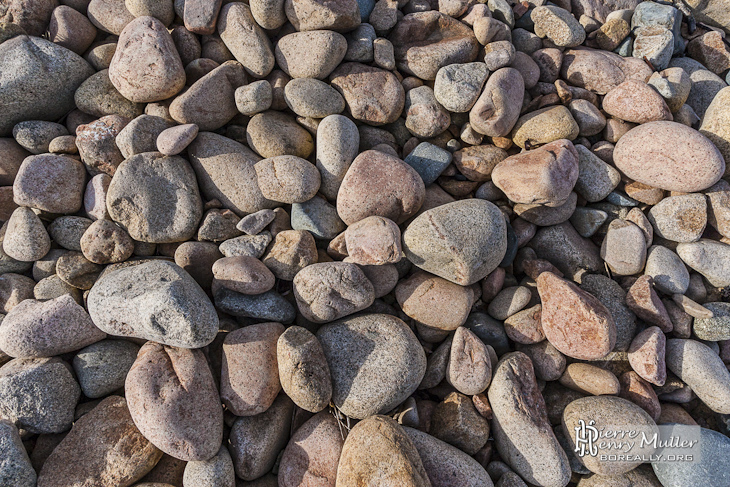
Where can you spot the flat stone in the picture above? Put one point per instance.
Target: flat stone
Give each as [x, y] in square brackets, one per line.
[268, 306]
[711, 469]
[477, 162]
[708, 257]
[157, 301]
[429, 161]
[174, 402]
[715, 328]
[698, 366]
[309, 97]
[375, 360]
[680, 218]
[312, 15]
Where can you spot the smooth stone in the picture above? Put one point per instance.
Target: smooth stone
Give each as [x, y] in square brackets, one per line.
[589, 119]
[590, 379]
[644, 301]
[292, 251]
[287, 179]
[38, 395]
[429, 161]
[140, 135]
[268, 306]
[156, 300]
[609, 412]
[255, 441]
[524, 326]
[273, 133]
[680, 218]
[309, 97]
[613, 297]
[312, 54]
[215, 89]
[375, 360]
[146, 66]
[646, 355]
[574, 321]
[214, 472]
[15, 466]
[563, 246]
[587, 221]
[544, 126]
[67, 231]
[543, 215]
[39, 80]
[43, 329]
[373, 95]
[705, 84]
[667, 270]
[26, 239]
[692, 164]
[478, 162]
[98, 96]
[303, 369]
[469, 369]
[102, 367]
[107, 431]
[624, 248]
[457, 421]
[225, 171]
[496, 111]
[708, 257]
[254, 97]
[715, 122]
[635, 101]
[337, 146]
[379, 184]
[52, 183]
[547, 360]
[522, 432]
[250, 374]
[155, 198]
[445, 465]
[698, 366]
[458, 86]
[311, 15]
[509, 301]
[462, 241]
[710, 469]
[331, 290]
[596, 179]
[655, 43]
[174, 402]
[425, 117]
[245, 39]
[558, 25]
[379, 448]
[36, 135]
[313, 453]
[246, 245]
[600, 71]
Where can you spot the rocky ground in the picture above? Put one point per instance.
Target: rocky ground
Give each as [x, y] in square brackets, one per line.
[349, 243]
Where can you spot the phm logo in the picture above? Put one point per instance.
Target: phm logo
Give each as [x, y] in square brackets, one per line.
[586, 436]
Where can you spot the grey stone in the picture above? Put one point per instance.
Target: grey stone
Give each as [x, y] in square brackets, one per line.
[38, 395]
[667, 269]
[254, 223]
[705, 83]
[254, 98]
[587, 221]
[490, 331]
[66, 231]
[360, 44]
[655, 14]
[303, 370]
[701, 369]
[375, 360]
[462, 241]
[156, 300]
[313, 98]
[596, 179]
[215, 472]
[246, 245]
[613, 297]
[25, 239]
[457, 86]
[102, 367]
[140, 135]
[318, 217]
[655, 43]
[269, 306]
[15, 467]
[36, 135]
[337, 146]
[38, 81]
[713, 467]
[717, 327]
[569, 252]
[681, 218]
[155, 198]
[708, 257]
[429, 161]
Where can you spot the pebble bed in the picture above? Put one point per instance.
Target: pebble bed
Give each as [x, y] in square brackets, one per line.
[359, 243]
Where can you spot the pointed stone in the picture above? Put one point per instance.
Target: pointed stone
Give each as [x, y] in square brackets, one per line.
[643, 300]
[26, 239]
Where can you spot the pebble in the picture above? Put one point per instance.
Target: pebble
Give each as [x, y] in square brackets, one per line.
[456, 421]
[613, 297]
[548, 362]
[36, 135]
[709, 258]
[498, 107]
[509, 301]
[225, 171]
[38, 87]
[425, 117]
[446, 465]
[169, 306]
[522, 432]
[589, 119]
[458, 86]
[313, 453]
[26, 239]
[379, 184]
[292, 251]
[200, 17]
[655, 43]
[51, 183]
[616, 412]
[104, 242]
[245, 39]
[646, 355]
[174, 401]
[715, 327]
[337, 146]
[498, 54]
[558, 25]
[635, 101]
[624, 248]
[711, 468]
[312, 54]
[38, 395]
[374, 241]
[643, 300]
[601, 71]
[254, 97]
[680, 218]
[15, 467]
[590, 379]
[596, 179]
[174, 140]
[543, 176]
[643, 155]
[268, 306]
[43, 329]
[426, 41]
[102, 367]
[250, 374]
[146, 66]
[303, 369]
[377, 448]
[698, 366]
[170, 189]
[524, 326]
[478, 162]
[372, 95]
[313, 98]
[375, 361]
[107, 431]
[469, 369]
[287, 179]
[544, 126]
[429, 161]
[462, 241]
[256, 441]
[574, 321]
[667, 270]
[215, 472]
